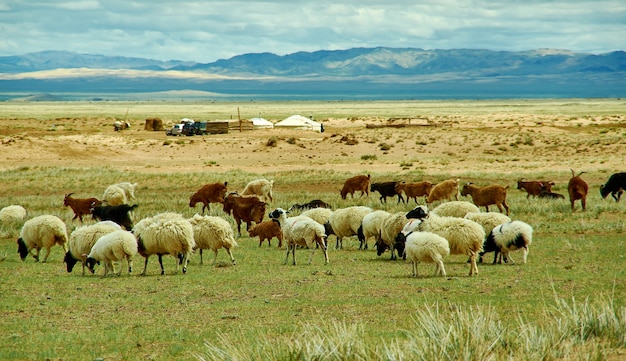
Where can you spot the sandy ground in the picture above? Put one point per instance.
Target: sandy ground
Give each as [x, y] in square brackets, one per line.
[522, 145]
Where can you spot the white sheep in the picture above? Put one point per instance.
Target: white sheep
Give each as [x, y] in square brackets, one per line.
[82, 240]
[371, 226]
[319, 215]
[300, 231]
[129, 190]
[260, 187]
[345, 222]
[508, 237]
[41, 232]
[455, 209]
[213, 233]
[426, 247]
[488, 220]
[391, 226]
[114, 195]
[464, 236]
[113, 247]
[165, 233]
[12, 214]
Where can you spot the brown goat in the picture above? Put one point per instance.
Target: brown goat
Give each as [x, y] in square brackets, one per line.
[533, 188]
[80, 206]
[267, 230]
[209, 193]
[244, 208]
[444, 191]
[486, 196]
[354, 184]
[414, 190]
[577, 189]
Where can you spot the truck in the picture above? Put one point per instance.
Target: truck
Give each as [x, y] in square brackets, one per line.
[196, 128]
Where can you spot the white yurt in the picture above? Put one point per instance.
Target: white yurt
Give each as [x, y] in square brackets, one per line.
[300, 122]
[261, 123]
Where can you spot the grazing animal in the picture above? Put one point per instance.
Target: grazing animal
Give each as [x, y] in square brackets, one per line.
[359, 183]
[82, 240]
[119, 214]
[80, 206]
[454, 209]
[391, 226]
[445, 190]
[488, 220]
[615, 185]
[386, 189]
[371, 226]
[129, 190]
[213, 233]
[114, 195]
[267, 231]
[261, 188]
[207, 194]
[533, 188]
[486, 196]
[345, 222]
[506, 238]
[41, 232]
[414, 190]
[12, 214]
[424, 247]
[246, 209]
[115, 246]
[546, 193]
[319, 215]
[316, 203]
[300, 231]
[577, 189]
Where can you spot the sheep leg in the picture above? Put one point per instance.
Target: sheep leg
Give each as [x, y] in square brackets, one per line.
[232, 259]
[293, 253]
[161, 263]
[524, 254]
[185, 262]
[45, 257]
[129, 261]
[145, 266]
[287, 256]
[473, 267]
[214, 258]
[495, 256]
[414, 264]
[201, 261]
[311, 255]
[441, 268]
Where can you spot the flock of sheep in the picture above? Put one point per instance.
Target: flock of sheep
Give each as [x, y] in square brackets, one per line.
[420, 235]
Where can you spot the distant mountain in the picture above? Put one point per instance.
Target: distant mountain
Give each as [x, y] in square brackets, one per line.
[357, 73]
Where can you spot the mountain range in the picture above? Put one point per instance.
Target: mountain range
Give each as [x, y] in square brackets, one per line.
[357, 73]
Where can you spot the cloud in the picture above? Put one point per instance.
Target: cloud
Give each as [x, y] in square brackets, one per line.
[206, 31]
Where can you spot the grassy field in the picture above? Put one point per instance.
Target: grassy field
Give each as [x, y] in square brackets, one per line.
[568, 302]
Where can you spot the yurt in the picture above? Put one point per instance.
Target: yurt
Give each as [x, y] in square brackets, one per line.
[261, 123]
[300, 122]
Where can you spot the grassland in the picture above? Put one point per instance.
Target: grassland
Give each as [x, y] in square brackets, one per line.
[568, 302]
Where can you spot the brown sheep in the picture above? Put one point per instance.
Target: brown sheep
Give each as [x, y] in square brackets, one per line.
[577, 189]
[267, 230]
[80, 206]
[247, 209]
[444, 191]
[533, 188]
[414, 190]
[486, 196]
[357, 183]
[209, 193]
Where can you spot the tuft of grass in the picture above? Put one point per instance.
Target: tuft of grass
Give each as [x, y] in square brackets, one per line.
[369, 157]
[272, 142]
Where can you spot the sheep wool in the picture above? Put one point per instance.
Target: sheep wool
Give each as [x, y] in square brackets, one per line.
[488, 220]
[427, 247]
[345, 222]
[12, 214]
[114, 195]
[165, 233]
[508, 237]
[455, 209]
[464, 236]
[300, 231]
[82, 240]
[213, 233]
[390, 228]
[41, 232]
[129, 190]
[319, 215]
[371, 226]
[113, 247]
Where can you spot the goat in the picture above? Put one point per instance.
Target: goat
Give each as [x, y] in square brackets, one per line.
[386, 189]
[316, 203]
[244, 208]
[414, 190]
[80, 206]
[546, 193]
[444, 190]
[357, 183]
[118, 214]
[207, 194]
[486, 196]
[577, 189]
[614, 185]
[533, 188]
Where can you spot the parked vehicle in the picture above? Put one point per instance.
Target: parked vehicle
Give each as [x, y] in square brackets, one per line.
[196, 128]
[177, 129]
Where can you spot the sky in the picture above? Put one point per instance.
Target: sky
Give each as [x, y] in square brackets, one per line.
[206, 31]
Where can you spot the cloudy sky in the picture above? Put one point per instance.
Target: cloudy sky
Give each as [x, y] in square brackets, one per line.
[206, 31]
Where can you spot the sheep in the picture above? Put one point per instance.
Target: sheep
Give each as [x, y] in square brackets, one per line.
[213, 233]
[345, 222]
[577, 189]
[80, 206]
[488, 220]
[464, 236]
[114, 195]
[371, 227]
[41, 232]
[486, 196]
[267, 230]
[165, 233]
[12, 214]
[389, 229]
[207, 194]
[82, 240]
[386, 189]
[414, 190]
[300, 231]
[354, 184]
[244, 208]
[533, 188]
[261, 188]
[444, 191]
[506, 238]
[115, 246]
[119, 214]
[316, 203]
[319, 215]
[455, 209]
[615, 185]
[426, 247]
[129, 190]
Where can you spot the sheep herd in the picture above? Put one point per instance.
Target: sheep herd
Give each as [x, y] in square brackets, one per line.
[419, 235]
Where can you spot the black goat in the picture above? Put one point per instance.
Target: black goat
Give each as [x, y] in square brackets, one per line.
[614, 185]
[316, 203]
[386, 189]
[118, 214]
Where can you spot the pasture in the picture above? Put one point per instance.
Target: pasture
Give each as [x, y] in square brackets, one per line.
[567, 302]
